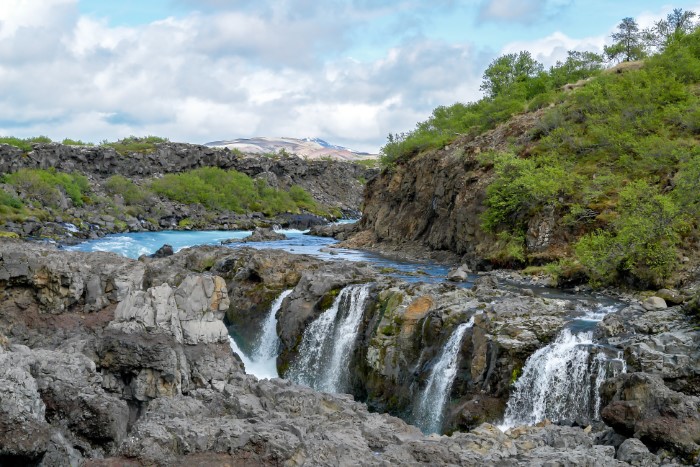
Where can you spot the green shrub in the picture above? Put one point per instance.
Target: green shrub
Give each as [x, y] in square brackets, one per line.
[132, 194]
[642, 242]
[45, 186]
[521, 188]
[25, 144]
[144, 145]
[75, 142]
[9, 200]
[222, 190]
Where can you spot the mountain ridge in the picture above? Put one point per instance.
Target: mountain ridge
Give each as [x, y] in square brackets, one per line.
[311, 148]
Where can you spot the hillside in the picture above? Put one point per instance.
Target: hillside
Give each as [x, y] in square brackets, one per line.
[593, 181]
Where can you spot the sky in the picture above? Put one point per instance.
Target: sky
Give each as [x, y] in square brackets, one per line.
[347, 71]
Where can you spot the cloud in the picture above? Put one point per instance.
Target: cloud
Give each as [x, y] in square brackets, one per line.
[523, 11]
[204, 77]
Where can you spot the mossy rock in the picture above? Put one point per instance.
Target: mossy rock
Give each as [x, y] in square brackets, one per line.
[327, 300]
[4, 234]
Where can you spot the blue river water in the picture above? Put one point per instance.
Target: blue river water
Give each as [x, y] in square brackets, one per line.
[135, 244]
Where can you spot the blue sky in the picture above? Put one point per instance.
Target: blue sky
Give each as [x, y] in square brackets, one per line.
[348, 71]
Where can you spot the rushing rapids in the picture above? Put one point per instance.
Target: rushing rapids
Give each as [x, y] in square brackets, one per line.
[430, 407]
[328, 342]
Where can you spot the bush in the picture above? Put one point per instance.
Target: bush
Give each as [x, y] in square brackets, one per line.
[75, 142]
[223, 190]
[132, 194]
[521, 188]
[144, 145]
[46, 186]
[642, 242]
[25, 144]
[9, 201]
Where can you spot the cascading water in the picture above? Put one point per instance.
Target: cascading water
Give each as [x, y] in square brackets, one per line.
[327, 344]
[268, 342]
[263, 361]
[430, 408]
[561, 381]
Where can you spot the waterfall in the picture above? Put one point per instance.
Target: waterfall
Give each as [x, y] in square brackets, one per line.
[262, 363]
[247, 362]
[561, 381]
[430, 408]
[268, 342]
[327, 343]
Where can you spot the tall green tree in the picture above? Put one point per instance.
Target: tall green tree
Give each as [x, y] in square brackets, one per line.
[507, 70]
[677, 24]
[629, 43]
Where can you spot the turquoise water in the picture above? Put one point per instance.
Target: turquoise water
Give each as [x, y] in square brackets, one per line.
[133, 245]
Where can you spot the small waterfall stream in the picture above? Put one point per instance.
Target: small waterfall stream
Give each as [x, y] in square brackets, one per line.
[262, 363]
[327, 343]
[268, 342]
[430, 407]
[561, 381]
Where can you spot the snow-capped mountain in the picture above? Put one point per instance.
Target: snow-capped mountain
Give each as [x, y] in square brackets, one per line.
[312, 148]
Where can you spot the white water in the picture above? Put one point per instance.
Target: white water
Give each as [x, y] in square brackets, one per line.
[262, 363]
[561, 381]
[431, 406]
[327, 343]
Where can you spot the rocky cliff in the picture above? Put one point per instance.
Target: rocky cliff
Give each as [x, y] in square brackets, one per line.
[435, 200]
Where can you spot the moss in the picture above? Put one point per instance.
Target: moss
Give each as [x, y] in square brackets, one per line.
[327, 300]
[515, 374]
[4, 234]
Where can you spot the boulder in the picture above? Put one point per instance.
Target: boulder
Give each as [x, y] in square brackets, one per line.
[459, 274]
[162, 252]
[640, 405]
[634, 452]
[654, 303]
[261, 234]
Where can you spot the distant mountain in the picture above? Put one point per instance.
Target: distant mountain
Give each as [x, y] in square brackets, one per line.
[312, 148]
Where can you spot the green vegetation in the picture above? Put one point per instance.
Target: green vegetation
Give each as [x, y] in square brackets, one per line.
[145, 144]
[75, 142]
[229, 190]
[514, 83]
[48, 186]
[25, 144]
[132, 194]
[616, 161]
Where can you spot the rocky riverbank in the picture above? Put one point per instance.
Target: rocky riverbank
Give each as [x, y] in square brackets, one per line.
[334, 186]
[106, 360]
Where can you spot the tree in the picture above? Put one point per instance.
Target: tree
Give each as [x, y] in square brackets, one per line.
[578, 65]
[507, 70]
[676, 25]
[628, 42]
